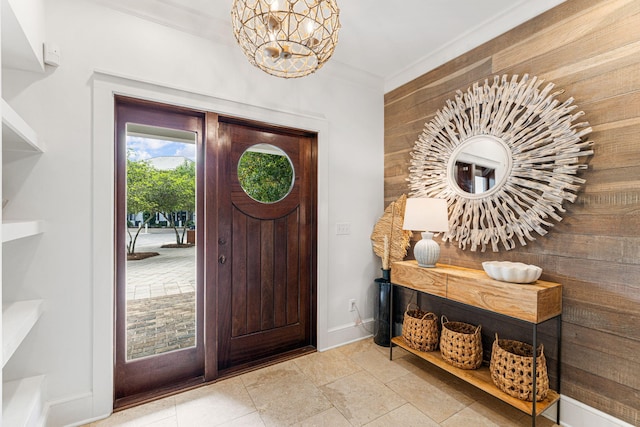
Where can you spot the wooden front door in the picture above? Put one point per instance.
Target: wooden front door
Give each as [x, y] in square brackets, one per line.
[252, 294]
[266, 251]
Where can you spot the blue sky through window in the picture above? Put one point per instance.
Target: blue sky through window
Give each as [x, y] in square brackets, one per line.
[147, 148]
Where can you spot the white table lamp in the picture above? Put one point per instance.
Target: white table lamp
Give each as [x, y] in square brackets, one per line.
[428, 216]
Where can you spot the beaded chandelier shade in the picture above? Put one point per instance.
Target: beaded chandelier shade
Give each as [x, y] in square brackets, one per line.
[286, 38]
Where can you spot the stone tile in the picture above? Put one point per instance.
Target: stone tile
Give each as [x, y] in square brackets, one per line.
[357, 347]
[379, 365]
[436, 376]
[329, 418]
[406, 416]
[144, 415]
[423, 369]
[489, 411]
[275, 373]
[167, 422]
[479, 414]
[541, 421]
[398, 352]
[283, 395]
[214, 404]
[436, 399]
[250, 420]
[323, 368]
[362, 398]
[492, 407]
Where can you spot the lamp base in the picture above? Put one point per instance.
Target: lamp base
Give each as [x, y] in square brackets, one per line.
[427, 251]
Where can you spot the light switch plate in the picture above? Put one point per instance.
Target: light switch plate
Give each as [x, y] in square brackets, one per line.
[343, 228]
[52, 54]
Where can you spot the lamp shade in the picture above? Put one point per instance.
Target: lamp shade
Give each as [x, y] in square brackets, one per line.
[426, 214]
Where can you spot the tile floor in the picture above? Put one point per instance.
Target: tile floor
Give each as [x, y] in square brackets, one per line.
[172, 272]
[353, 385]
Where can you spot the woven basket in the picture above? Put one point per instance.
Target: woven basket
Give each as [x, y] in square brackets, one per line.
[420, 329]
[461, 344]
[512, 369]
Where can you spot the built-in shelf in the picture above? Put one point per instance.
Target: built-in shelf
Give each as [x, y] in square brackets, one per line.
[13, 230]
[21, 40]
[22, 34]
[480, 378]
[17, 135]
[22, 402]
[18, 319]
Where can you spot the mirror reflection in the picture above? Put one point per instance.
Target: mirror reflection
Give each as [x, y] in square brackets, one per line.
[479, 165]
[265, 173]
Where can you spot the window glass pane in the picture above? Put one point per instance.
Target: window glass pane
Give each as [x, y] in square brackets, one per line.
[161, 261]
[265, 173]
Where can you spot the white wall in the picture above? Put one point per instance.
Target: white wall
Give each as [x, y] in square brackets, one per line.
[60, 105]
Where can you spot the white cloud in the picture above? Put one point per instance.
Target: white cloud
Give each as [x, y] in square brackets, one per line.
[141, 155]
[186, 150]
[146, 148]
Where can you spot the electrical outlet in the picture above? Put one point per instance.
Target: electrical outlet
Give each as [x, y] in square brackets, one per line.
[352, 305]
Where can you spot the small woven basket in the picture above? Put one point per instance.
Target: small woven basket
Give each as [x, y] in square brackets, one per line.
[420, 329]
[461, 344]
[511, 369]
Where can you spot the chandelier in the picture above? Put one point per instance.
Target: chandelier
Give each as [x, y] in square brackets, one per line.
[286, 38]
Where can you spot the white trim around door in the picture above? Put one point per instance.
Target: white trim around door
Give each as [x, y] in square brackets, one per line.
[105, 85]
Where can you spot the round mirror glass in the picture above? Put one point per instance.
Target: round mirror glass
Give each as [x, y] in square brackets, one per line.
[479, 166]
[265, 173]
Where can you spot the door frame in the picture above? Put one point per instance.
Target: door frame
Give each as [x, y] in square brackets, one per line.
[99, 401]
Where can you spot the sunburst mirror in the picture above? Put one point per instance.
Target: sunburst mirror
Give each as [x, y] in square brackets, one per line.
[505, 155]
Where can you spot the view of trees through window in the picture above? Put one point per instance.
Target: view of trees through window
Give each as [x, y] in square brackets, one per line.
[265, 176]
[161, 241]
[169, 192]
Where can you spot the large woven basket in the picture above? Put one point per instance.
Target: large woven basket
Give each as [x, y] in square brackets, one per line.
[461, 344]
[511, 369]
[420, 329]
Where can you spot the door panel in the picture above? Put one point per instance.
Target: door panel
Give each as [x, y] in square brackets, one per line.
[268, 290]
[135, 378]
[267, 287]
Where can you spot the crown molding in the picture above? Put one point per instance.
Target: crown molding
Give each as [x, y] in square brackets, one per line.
[519, 13]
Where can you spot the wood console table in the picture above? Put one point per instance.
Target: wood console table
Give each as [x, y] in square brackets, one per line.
[533, 303]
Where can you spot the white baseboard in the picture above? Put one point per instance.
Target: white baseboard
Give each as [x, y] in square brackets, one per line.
[576, 414]
[73, 411]
[348, 333]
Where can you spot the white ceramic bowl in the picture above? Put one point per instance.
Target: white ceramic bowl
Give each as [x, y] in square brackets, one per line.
[514, 272]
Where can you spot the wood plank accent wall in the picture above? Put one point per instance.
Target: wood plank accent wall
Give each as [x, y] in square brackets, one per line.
[590, 48]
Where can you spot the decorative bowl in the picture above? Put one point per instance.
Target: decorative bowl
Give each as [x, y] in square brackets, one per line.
[513, 272]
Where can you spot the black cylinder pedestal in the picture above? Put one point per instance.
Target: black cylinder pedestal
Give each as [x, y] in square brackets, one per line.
[381, 311]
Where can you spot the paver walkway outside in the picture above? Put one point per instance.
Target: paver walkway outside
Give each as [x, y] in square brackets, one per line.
[160, 297]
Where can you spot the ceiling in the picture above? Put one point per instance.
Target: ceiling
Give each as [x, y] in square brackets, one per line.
[394, 41]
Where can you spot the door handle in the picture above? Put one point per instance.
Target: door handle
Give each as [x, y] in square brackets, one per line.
[222, 259]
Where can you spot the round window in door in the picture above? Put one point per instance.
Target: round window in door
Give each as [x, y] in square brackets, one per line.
[265, 173]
